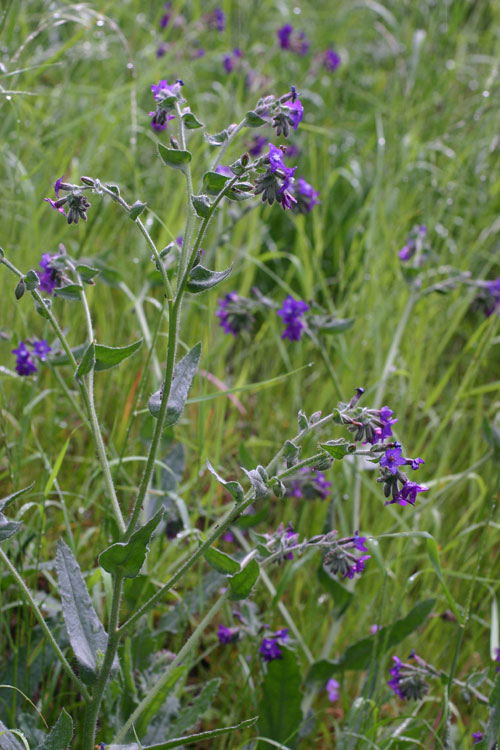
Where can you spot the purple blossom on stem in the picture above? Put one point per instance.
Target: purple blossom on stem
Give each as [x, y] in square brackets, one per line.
[275, 158]
[308, 197]
[477, 737]
[220, 19]
[331, 60]
[373, 629]
[296, 111]
[493, 303]
[415, 462]
[257, 145]
[395, 672]
[227, 635]
[164, 89]
[24, 363]
[51, 276]
[162, 48]
[41, 349]
[284, 34]
[333, 690]
[391, 459]
[291, 312]
[270, 647]
[58, 206]
[359, 542]
[321, 485]
[408, 493]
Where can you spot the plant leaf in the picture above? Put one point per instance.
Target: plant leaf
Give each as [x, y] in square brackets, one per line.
[8, 739]
[110, 356]
[184, 373]
[213, 182]
[8, 528]
[86, 632]
[136, 209]
[190, 715]
[336, 448]
[221, 562]
[189, 740]
[280, 713]
[69, 291]
[253, 120]
[341, 596]
[152, 708]
[218, 138]
[174, 157]
[490, 737]
[202, 205]
[201, 278]
[242, 583]
[191, 121]
[128, 557]
[9, 498]
[359, 654]
[31, 280]
[60, 735]
[87, 273]
[87, 363]
[231, 486]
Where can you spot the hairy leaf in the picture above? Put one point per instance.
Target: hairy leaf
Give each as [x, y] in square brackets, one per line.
[221, 562]
[128, 557]
[201, 278]
[174, 157]
[241, 584]
[280, 712]
[184, 373]
[231, 486]
[60, 735]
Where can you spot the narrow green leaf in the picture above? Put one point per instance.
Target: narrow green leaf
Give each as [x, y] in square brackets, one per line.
[221, 562]
[56, 467]
[359, 655]
[110, 356]
[231, 486]
[8, 528]
[69, 291]
[60, 735]
[9, 498]
[87, 273]
[201, 278]
[328, 324]
[173, 157]
[114, 188]
[128, 557]
[241, 584]
[432, 551]
[136, 209]
[86, 632]
[190, 121]
[184, 373]
[152, 708]
[87, 362]
[336, 448]
[253, 120]
[202, 205]
[280, 712]
[191, 739]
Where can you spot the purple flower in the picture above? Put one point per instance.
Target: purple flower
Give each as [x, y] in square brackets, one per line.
[359, 542]
[164, 20]
[220, 19]
[497, 659]
[373, 629]
[41, 349]
[227, 635]
[296, 111]
[307, 193]
[493, 302]
[162, 90]
[51, 276]
[333, 690]
[275, 158]
[228, 63]
[291, 312]
[270, 647]
[288, 181]
[228, 537]
[226, 171]
[395, 672]
[415, 462]
[477, 737]
[408, 493]
[406, 252]
[391, 459]
[161, 50]
[284, 34]
[160, 119]
[57, 185]
[302, 45]
[331, 60]
[24, 363]
[257, 146]
[359, 565]
[58, 206]
[321, 485]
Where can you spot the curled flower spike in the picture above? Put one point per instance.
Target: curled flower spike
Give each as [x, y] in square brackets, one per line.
[359, 542]
[407, 680]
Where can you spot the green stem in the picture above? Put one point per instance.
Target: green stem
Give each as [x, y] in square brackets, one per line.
[96, 428]
[180, 657]
[41, 620]
[225, 145]
[93, 706]
[189, 189]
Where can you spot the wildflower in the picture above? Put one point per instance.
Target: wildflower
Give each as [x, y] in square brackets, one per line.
[333, 690]
[331, 60]
[291, 312]
[321, 485]
[164, 90]
[41, 349]
[235, 314]
[164, 20]
[296, 111]
[407, 681]
[228, 537]
[161, 50]
[497, 659]
[52, 275]
[477, 737]
[57, 204]
[493, 300]
[415, 462]
[392, 459]
[24, 363]
[257, 145]
[227, 635]
[270, 648]
[408, 493]
[395, 672]
[284, 34]
[359, 542]
[217, 19]
[341, 562]
[306, 196]
[78, 206]
[226, 171]
[229, 61]
[373, 629]
[415, 246]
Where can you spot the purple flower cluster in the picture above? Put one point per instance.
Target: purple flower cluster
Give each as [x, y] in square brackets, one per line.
[391, 474]
[407, 681]
[310, 484]
[295, 41]
[270, 648]
[330, 59]
[477, 737]
[227, 635]
[76, 202]
[164, 20]
[217, 19]
[291, 312]
[339, 561]
[52, 276]
[235, 314]
[307, 197]
[493, 298]
[165, 95]
[24, 362]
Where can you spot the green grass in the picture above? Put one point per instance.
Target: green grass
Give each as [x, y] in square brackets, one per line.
[405, 132]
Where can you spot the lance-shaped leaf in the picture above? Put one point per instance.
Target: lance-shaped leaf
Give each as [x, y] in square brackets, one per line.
[280, 713]
[490, 737]
[221, 562]
[181, 383]
[191, 739]
[87, 362]
[86, 273]
[190, 121]
[241, 584]
[9, 498]
[336, 448]
[128, 557]
[110, 356]
[190, 715]
[360, 654]
[9, 740]
[60, 735]
[174, 157]
[86, 632]
[201, 278]
[213, 182]
[329, 324]
[218, 138]
[202, 205]
[231, 486]
[258, 484]
[136, 209]
[69, 291]
[8, 528]
[253, 120]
